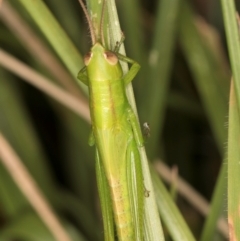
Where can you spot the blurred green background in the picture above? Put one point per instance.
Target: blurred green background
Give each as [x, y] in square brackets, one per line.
[181, 91]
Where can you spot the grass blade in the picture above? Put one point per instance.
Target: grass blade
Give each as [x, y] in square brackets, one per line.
[40, 82]
[233, 167]
[232, 34]
[156, 86]
[28, 186]
[170, 214]
[55, 35]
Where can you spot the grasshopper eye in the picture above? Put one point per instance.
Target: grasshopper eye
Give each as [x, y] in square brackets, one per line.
[110, 57]
[87, 58]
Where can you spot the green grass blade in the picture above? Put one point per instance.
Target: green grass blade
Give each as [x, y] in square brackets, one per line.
[80, 169]
[170, 214]
[232, 34]
[132, 29]
[212, 89]
[152, 224]
[220, 189]
[55, 35]
[24, 137]
[71, 20]
[30, 189]
[204, 69]
[160, 60]
[233, 167]
[194, 198]
[29, 227]
[36, 47]
[81, 214]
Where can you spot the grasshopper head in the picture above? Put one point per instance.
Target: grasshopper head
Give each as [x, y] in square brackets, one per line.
[102, 64]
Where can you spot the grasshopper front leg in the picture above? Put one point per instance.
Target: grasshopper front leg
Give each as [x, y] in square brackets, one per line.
[82, 76]
[133, 69]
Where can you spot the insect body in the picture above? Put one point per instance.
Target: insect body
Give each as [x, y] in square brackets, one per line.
[117, 136]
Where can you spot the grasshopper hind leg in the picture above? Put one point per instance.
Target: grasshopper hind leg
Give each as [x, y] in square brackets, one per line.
[136, 188]
[105, 199]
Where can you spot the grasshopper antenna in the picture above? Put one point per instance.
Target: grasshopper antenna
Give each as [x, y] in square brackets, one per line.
[102, 22]
[93, 37]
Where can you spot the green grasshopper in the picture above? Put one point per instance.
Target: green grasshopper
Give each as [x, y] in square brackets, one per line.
[117, 136]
